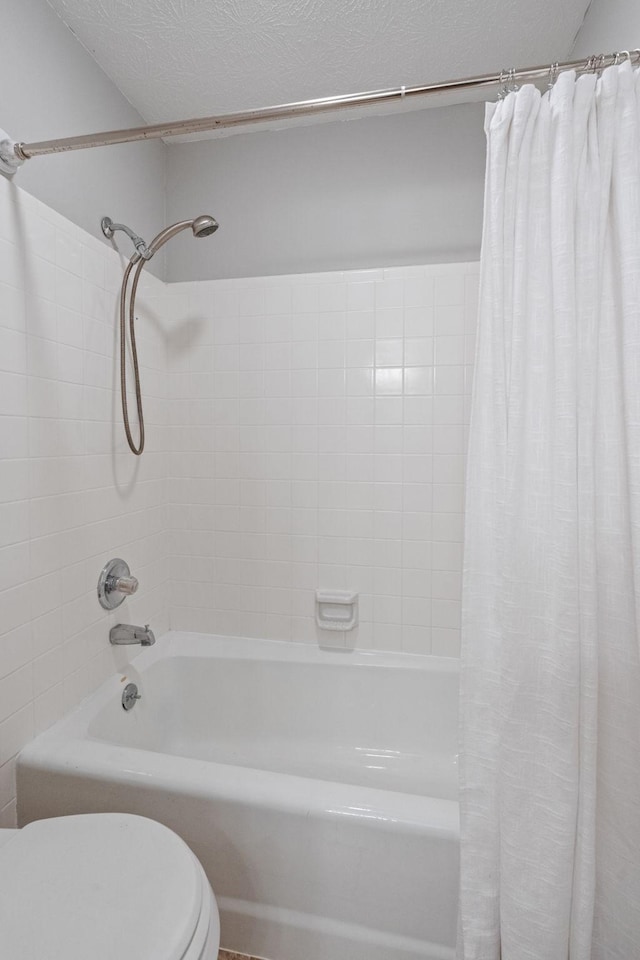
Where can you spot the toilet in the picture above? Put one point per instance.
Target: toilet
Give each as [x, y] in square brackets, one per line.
[104, 886]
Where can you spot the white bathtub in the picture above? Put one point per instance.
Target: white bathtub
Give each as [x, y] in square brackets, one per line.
[317, 789]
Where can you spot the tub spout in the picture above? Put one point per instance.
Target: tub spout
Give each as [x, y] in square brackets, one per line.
[124, 633]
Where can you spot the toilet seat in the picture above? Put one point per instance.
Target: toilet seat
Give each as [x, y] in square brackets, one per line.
[105, 886]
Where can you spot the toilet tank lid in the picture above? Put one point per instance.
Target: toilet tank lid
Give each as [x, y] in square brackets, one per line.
[104, 886]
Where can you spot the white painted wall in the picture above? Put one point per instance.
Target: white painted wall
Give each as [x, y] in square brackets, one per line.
[609, 25]
[51, 88]
[345, 195]
[375, 192]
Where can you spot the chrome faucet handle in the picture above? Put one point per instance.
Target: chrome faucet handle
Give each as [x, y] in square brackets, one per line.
[126, 585]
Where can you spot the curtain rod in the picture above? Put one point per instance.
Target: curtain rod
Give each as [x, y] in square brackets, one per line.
[25, 151]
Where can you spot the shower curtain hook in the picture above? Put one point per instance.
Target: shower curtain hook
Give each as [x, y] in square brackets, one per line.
[502, 92]
[600, 64]
[554, 70]
[595, 63]
[508, 81]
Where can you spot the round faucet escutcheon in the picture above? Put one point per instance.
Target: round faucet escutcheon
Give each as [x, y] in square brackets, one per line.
[115, 583]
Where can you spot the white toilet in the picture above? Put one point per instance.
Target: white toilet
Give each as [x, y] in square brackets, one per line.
[104, 886]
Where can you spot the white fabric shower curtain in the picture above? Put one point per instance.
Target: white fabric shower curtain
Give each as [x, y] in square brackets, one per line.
[550, 690]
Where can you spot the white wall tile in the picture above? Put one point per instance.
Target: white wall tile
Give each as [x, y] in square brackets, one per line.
[350, 389]
[56, 443]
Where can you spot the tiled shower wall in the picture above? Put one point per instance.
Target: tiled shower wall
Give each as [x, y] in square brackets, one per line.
[310, 434]
[318, 429]
[71, 497]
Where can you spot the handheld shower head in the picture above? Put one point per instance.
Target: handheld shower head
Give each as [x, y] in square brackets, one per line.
[204, 225]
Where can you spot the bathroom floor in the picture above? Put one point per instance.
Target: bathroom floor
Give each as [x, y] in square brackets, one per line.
[225, 955]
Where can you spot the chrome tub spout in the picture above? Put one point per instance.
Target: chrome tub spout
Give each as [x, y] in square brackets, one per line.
[125, 633]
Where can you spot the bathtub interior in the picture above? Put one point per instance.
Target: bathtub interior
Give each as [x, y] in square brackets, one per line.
[316, 789]
[386, 727]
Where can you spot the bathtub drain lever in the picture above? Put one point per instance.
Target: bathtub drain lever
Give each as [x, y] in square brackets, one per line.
[129, 696]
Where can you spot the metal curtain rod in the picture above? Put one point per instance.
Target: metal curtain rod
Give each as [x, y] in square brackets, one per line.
[24, 151]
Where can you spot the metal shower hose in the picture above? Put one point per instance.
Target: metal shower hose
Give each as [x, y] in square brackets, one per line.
[134, 353]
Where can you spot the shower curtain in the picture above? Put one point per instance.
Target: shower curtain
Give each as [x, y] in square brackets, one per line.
[550, 689]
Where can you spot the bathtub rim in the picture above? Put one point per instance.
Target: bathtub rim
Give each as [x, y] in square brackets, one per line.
[223, 646]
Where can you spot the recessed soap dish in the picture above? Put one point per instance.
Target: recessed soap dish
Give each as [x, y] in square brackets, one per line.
[336, 609]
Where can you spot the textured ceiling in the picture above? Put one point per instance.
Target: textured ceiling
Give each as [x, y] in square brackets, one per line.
[184, 58]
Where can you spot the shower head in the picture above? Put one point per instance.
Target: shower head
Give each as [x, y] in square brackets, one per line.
[204, 225]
